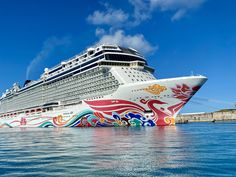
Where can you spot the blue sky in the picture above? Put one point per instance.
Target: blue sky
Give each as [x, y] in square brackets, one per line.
[178, 37]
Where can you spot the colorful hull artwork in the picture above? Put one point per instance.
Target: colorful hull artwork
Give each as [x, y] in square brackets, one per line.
[115, 112]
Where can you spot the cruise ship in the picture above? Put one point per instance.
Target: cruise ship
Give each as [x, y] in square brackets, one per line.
[106, 85]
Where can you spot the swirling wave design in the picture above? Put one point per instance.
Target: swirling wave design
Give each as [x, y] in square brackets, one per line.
[89, 118]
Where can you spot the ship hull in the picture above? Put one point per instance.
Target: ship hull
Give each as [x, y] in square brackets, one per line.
[149, 103]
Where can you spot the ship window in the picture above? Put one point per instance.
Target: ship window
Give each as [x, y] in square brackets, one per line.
[98, 53]
[123, 58]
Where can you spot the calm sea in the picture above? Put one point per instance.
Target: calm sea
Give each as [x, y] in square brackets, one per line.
[197, 149]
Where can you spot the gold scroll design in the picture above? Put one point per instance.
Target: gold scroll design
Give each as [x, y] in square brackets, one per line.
[155, 89]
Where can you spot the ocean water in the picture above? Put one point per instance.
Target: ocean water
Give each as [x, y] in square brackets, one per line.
[196, 149]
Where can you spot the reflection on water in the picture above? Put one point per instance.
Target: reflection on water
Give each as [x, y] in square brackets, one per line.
[182, 150]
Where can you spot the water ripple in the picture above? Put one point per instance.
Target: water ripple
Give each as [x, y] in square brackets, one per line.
[201, 149]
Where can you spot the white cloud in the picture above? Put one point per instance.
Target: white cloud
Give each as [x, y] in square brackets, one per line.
[165, 5]
[141, 12]
[179, 7]
[178, 15]
[100, 31]
[143, 9]
[135, 41]
[111, 16]
[48, 46]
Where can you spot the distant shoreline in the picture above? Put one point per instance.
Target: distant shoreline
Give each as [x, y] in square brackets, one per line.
[222, 115]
